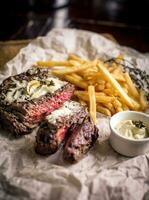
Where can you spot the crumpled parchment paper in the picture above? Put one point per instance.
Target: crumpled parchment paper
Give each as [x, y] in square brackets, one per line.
[103, 173]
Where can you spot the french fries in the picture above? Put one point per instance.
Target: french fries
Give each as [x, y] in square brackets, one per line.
[117, 74]
[103, 110]
[86, 93]
[74, 62]
[99, 97]
[53, 63]
[143, 101]
[116, 85]
[76, 81]
[92, 102]
[110, 108]
[100, 86]
[131, 87]
[76, 58]
[74, 69]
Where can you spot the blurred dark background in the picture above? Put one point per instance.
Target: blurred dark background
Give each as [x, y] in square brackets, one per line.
[126, 20]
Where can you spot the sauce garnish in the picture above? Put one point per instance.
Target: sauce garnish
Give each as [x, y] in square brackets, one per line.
[132, 129]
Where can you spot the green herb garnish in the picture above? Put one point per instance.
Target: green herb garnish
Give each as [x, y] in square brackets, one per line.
[51, 83]
[138, 124]
[48, 83]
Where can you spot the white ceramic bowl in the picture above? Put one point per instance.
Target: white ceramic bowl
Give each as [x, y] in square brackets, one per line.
[123, 145]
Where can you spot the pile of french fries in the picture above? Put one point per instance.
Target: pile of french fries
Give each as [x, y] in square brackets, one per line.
[103, 87]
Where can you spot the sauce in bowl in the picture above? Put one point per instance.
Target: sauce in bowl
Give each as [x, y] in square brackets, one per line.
[132, 129]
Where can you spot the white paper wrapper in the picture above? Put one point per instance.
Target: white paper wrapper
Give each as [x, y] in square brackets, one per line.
[102, 174]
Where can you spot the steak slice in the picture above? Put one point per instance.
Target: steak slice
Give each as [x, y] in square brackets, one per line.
[10, 122]
[82, 138]
[31, 95]
[52, 132]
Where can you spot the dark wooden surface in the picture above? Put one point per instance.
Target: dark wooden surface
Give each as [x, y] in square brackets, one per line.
[126, 20]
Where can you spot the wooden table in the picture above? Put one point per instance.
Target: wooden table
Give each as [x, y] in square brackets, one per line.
[33, 22]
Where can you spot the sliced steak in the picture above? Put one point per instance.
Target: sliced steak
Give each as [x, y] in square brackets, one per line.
[82, 138]
[52, 132]
[31, 95]
[10, 122]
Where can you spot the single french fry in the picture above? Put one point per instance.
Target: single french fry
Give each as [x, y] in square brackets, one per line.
[89, 71]
[125, 107]
[86, 93]
[100, 94]
[77, 76]
[108, 85]
[110, 92]
[92, 102]
[117, 103]
[103, 110]
[117, 86]
[131, 87]
[99, 98]
[124, 86]
[74, 63]
[117, 72]
[82, 97]
[89, 76]
[100, 87]
[119, 78]
[98, 76]
[94, 69]
[75, 81]
[110, 107]
[53, 63]
[74, 69]
[104, 99]
[112, 67]
[101, 82]
[119, 109]
[90, 82]
[77, 58]
[143, 101]
[125, 89]
[118, 75]
[136, 104]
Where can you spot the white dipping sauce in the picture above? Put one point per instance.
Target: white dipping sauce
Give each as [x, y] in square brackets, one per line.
[129, 130]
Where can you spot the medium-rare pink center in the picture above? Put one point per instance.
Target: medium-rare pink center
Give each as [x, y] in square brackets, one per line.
[37, 112]
[61, 134]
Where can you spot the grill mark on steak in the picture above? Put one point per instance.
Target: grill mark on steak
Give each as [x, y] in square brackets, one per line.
[81, 139]
[50, 135]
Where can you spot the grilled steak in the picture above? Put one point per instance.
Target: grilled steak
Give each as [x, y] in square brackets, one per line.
[53, 130]
[10, 122]
[82, 138]
[30, 96]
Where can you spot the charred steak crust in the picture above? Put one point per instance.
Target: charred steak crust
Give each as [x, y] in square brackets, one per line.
[30, 112]
[51, 135]
[81, 139]
[10, 122]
